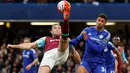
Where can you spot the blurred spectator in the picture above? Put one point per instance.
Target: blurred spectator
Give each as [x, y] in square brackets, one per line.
[71, 1]
[60, 69]
[42, 1]
[4, 70]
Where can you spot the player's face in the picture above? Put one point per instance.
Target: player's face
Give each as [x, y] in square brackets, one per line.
[56, 30]
[26, 41]
[100, 23]
[115, 41]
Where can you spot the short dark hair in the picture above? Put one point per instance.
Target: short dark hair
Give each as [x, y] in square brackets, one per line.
[54, 25]
[102, 15]
[27, 38]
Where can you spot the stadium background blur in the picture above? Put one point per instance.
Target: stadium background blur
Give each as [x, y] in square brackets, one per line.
[13, 30]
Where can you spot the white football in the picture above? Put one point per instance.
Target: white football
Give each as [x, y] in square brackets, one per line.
[60, 6]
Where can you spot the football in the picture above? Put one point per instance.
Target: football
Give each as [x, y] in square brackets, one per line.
[60, 6]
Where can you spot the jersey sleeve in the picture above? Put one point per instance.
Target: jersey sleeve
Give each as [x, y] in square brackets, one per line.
[33, 54]
[41, 42]
[97, 47]
[77, 40]
[111, 46]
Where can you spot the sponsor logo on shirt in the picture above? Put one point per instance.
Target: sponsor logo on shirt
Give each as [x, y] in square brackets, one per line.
[55, 40]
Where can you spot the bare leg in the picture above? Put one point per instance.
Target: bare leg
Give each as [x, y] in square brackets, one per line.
[44, 69]
[63, 45]
[64, 41]
[81, 69]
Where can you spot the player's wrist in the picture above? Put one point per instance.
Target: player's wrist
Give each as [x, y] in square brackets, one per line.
[31, 64]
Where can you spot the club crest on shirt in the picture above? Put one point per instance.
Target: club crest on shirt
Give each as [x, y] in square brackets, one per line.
[89, 34]
[105, 41]
[27, 53]
[100, 36]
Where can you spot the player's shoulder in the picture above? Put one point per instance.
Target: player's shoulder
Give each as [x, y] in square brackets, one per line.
[33, 50]
[90, 28]
[106, 31]
[110, 43]
[43, 38]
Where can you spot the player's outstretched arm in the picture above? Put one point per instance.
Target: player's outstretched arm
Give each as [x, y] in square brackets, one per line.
[75, 55]
[23, 45]
[39, 43]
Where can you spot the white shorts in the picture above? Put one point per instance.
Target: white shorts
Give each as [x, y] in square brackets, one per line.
[54, 57]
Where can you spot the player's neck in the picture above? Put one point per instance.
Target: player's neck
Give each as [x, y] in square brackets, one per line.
[100, 29]
[56, 37]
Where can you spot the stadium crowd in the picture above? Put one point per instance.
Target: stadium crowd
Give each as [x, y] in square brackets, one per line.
[55, 1]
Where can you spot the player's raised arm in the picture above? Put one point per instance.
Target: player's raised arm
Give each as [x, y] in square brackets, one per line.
[38, 43]
[80, 38]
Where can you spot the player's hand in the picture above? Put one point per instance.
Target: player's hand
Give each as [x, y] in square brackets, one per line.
[85, 36]
[10, 46]
[28, 67]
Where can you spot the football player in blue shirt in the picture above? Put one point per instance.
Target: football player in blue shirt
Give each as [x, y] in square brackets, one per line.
[30, 60]
[93, 60]
[110, 60]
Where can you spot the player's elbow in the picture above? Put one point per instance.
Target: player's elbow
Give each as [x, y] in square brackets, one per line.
[31, 45]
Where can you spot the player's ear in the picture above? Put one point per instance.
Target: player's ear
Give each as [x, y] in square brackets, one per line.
[51, 32]
[105, 22]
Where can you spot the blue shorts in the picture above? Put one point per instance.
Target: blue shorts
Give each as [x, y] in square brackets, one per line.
[29, 71]
[93, 68]
[111, 69]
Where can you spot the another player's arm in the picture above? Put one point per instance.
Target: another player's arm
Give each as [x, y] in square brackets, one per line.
[38, 43]
[99, 46]
[80, 38]
[115, 50]
[118, 54]
[124, 58]
[116, 64]
[34, 56]
[35, 61]
[75, 55]
[23, 45]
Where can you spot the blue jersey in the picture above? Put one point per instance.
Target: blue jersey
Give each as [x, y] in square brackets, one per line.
[109, 58]
[94, 45]
[28, 57]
